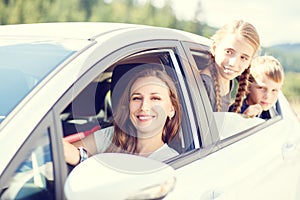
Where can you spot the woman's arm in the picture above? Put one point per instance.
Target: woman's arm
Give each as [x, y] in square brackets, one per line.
[71, 151]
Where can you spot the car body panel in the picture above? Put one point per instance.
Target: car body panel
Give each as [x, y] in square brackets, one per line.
[239, 171]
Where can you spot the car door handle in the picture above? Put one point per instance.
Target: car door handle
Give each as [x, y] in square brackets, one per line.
[214, 194]
[289, 151]
[217, 194]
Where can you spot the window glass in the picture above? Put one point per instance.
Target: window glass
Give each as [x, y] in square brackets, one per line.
[34, 177]
[24, 64]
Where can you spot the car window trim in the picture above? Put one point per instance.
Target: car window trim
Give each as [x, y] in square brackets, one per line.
[91, 72]
[184, 90]
[209, 132]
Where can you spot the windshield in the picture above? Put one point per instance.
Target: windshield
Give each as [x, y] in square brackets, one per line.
[23, 65]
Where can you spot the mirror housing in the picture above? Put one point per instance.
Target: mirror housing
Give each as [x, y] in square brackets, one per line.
[119, 176]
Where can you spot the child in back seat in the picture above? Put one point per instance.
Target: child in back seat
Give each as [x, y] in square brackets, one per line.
[265, 83]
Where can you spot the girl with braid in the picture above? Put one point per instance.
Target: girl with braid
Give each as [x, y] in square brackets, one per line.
[232, 50]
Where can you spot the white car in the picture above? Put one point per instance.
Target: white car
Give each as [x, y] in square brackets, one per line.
[55, 82]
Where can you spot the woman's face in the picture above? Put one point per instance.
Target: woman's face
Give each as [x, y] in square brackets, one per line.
[149, 106]
[232, 56]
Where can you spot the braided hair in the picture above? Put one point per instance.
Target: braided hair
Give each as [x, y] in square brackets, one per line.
[242, 90]
[248, 32]
[214, 74]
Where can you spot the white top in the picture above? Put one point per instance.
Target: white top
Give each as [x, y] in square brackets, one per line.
[103, 138]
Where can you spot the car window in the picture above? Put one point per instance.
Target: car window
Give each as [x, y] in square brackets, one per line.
[34, 177]
[228, 123]
[22, 67]
[91, 108]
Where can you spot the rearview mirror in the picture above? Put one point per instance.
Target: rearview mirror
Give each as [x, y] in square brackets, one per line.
[120, 176]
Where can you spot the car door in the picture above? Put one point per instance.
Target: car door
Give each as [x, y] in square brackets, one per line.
[37, 170]
[72, 110]
[252, 158]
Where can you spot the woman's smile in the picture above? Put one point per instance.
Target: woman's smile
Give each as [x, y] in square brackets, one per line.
[145, 117]
[150, 105]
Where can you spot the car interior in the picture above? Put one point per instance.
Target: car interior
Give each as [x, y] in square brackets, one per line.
[92, 109]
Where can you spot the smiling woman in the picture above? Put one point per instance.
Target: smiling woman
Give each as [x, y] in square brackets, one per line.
[150, 106]
[146, 117]
[151, 92]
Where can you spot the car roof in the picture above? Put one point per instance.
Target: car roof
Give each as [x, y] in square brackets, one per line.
[70, 30]
[90, 31]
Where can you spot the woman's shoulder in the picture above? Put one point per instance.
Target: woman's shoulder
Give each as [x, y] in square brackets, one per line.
[164, 153]
[103, 138]
[106, 132]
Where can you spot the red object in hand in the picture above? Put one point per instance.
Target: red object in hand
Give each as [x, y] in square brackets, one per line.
[78, 136]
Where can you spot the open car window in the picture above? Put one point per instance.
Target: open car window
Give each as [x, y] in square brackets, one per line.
[228, 123]
[92, 108]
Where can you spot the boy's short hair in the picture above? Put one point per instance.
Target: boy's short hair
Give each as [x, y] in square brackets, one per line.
[267, 65]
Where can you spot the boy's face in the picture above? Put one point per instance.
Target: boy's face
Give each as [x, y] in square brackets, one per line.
[264, 92]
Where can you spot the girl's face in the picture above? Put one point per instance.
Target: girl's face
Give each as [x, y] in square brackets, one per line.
[264, 92]
[149, 106]
[232, 56]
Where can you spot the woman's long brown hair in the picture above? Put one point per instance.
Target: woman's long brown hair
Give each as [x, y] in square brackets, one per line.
[125, 135]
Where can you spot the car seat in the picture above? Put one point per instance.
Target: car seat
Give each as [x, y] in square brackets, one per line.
[84, 109]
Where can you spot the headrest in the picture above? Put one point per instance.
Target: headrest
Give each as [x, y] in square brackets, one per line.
[90, 101]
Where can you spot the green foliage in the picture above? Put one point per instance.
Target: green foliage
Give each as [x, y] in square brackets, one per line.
[123, 11]
[289, 57]
[287, 54]
[291, 86]
[291, 89]
[137, 12]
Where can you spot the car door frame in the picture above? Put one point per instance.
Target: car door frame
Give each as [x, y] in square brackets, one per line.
[90, 73]
[219, 185]
[188, 47]
[47, 123]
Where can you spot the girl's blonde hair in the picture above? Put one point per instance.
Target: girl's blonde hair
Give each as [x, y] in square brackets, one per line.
[249, 33]
[125, 135]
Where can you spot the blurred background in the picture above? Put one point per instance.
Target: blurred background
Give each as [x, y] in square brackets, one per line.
[277, 22]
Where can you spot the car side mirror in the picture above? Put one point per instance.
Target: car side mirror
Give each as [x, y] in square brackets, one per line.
[120, 176]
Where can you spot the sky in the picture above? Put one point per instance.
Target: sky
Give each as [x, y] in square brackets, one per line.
[277, 21]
